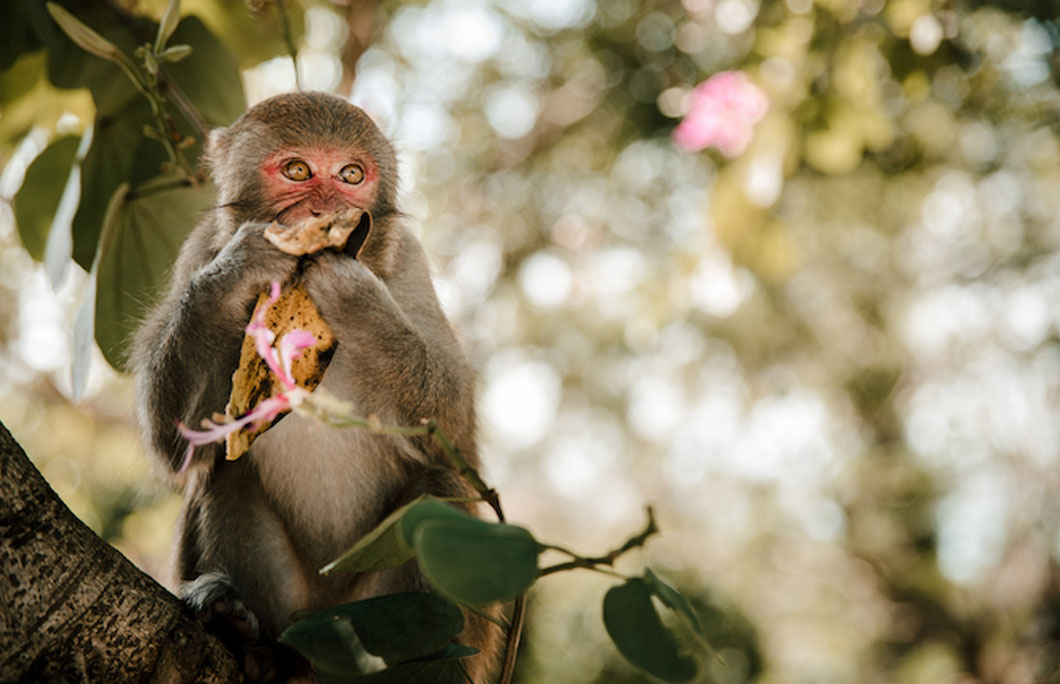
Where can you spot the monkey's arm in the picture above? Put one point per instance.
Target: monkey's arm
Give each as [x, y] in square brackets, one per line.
[404, 363]
[185, 352]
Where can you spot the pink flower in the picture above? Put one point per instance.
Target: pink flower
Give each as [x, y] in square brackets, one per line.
[262, 414]
[722, 114]
[278, 358]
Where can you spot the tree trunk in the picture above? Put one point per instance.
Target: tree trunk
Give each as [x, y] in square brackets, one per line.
[73, 609]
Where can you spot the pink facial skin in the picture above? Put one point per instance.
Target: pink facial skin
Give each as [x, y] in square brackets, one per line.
[324, 191]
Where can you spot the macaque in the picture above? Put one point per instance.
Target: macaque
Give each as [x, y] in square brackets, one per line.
[254, 531]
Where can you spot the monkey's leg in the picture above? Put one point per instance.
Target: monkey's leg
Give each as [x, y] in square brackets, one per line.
[240, 572]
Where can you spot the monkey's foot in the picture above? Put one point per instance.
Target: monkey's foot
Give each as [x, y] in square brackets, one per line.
[219, 607]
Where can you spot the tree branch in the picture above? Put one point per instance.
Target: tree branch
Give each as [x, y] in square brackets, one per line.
[75, 609]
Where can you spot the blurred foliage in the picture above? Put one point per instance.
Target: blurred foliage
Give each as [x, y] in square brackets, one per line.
[833, 363]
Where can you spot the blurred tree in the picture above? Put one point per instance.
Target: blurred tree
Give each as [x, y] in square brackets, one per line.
[833, 360]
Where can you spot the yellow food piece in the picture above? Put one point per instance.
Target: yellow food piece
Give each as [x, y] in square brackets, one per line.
[253, 382]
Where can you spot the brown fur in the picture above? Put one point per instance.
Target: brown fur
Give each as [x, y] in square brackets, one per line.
[255, 531]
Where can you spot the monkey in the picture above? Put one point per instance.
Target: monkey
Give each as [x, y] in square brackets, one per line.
[253, 532]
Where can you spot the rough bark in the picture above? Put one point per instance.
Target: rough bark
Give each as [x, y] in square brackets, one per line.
[73, 609]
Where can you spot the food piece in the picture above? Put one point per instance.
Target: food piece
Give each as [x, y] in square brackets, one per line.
[317, 233]
[253, 382]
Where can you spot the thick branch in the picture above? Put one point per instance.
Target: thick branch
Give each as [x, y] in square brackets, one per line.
[73, 608]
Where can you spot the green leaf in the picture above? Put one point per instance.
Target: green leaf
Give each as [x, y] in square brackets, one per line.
[396, 627]
[82, 35]
[428, 509]
[635, 627]
[143, 230]
[389, 544]
[209, 76]
[167, 25]
[117, 144]
[38, 198]
[16, 37]
[329, 642]
[381, 549]
[93, 43]
[476, 562]
[68, 65]
[176, 53]
[441, 668]
[672, 599]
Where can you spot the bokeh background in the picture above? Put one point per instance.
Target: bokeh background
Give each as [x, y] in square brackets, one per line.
[830, 362]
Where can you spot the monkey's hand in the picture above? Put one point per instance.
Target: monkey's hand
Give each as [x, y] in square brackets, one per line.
[245, 267]
[348, 293]
[399, 367]
[189, 346]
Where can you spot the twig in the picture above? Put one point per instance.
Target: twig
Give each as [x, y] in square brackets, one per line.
[288, 40]
[187, 108]
[185, 105]
[608, 559]
[515, 633]
[465, 469]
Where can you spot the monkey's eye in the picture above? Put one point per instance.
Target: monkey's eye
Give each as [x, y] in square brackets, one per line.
[297, 170]
[352, 174]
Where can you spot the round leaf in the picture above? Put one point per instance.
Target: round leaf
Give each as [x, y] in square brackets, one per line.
[672, 599]
[381, 549]
[429, 509]
[107, 164]
[37, 200]
[400, 627]
[209, 76]
[328, 641]
[142, 233]
[475, 562]
[15, 34]
[634, 625]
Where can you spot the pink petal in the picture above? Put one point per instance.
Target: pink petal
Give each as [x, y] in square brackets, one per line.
[263, 337]
[291, 346]
[265, 412]
[278, 361]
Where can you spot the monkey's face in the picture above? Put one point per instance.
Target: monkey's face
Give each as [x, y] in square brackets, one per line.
[306, 182]
[300, 155]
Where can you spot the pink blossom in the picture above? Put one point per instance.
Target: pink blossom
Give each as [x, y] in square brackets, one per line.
[262, 414]
[722, 114]
[278, 358]
[291, 346]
